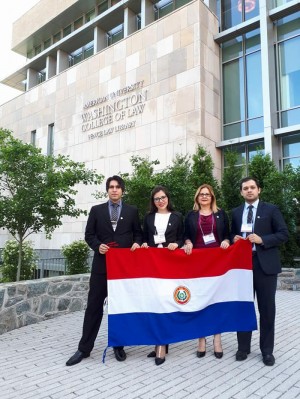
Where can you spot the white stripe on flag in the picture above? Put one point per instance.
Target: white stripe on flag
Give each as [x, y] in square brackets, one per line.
[156, 295]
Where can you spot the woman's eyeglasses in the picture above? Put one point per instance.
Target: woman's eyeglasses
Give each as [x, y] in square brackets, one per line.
[204, 195]
[162, 198]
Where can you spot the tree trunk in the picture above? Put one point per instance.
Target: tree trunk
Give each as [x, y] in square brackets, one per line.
[19, 260]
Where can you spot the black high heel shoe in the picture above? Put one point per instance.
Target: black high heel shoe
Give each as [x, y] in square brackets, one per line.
[152, 353]
[202, 353]
[218, 355]
[159, 351]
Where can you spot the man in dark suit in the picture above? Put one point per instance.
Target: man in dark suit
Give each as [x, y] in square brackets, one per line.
[112, 224]
[263, 225]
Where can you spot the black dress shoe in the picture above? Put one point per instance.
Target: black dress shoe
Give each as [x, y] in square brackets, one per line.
[201, 354]
[152, 354]
[76, 358]
[120, 354]
[269, 360]
[240, 355]
[218, 355]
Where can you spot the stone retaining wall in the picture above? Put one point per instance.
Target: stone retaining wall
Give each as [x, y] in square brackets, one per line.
[31, 301]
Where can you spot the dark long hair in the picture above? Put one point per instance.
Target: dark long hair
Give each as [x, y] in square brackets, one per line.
[155, 190]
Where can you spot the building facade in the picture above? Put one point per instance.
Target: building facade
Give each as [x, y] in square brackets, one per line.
[107, 79]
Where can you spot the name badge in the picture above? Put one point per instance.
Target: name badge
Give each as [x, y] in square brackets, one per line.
[159, 238]
[246, 228]
[209, 238]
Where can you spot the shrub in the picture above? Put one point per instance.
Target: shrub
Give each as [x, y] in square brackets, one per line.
[76, 254]
[10, 257]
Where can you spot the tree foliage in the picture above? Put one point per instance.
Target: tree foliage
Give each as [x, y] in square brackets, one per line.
[37, 190]
[77, 256]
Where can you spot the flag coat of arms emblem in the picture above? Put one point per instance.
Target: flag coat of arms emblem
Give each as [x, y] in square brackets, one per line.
[157, 296]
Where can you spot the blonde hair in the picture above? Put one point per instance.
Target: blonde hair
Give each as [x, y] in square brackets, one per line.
[213, 204]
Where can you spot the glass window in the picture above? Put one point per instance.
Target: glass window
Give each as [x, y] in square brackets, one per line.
[57, 37]
[163, 7]
[38, 49]
[88, 51]
[41, 76]
[30, 54]
[33, 137]
[78, 23]
[233, 12]
[115, 35]
[103, 6]
[47, 43]
[242, 86]
[89, 15]
[288, 68]
[180, 3]
[291, 150]
[67, 30]
[245, 152]
[50, 143]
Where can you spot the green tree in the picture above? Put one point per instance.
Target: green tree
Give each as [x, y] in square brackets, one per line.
[202, 171]
[177, 178]
[10, 257]
[282, 189]
[230, 183]
[140, 183]
[77, 256]
[37, 190]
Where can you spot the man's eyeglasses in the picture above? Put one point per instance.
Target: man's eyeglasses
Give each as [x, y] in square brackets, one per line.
[162, 198]
[114, 186]
[204, 195]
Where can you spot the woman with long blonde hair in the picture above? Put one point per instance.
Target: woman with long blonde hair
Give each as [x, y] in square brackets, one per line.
[206, 226]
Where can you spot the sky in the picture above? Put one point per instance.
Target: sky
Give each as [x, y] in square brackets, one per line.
[10, 62]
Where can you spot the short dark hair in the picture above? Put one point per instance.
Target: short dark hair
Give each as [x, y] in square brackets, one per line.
[118, 179]
[245, 179]
[155, 190]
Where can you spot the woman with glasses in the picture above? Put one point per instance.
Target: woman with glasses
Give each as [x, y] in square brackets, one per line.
[163, 228]
[206, 226]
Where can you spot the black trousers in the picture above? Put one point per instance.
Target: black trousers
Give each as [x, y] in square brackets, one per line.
[94, 312]
[265, 290]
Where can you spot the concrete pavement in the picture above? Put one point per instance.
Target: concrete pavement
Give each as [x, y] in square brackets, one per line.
[33, 365]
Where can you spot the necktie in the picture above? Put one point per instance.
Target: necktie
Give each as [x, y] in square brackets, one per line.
[250, 216]
[114, 215]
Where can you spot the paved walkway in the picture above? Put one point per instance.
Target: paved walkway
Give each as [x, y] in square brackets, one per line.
[32, 365]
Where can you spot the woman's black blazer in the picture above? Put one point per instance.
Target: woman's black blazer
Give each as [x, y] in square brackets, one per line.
[174, 232]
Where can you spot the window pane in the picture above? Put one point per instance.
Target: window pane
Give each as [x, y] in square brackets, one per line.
[78, 23]
[103, 6]
[289, 118]
[288, 26]
[254, 85]
[230, 13]
[295, 162]
[165, 9]
[180, 3]
[289, 73]
[47, 43]
[232, 49]
[291, 145]
[56, 37]
[233, 91]
[37, 49]
[90, 15]
[252, 41]
[256, 126]
[88, 52]
[233, 131]
[251, 9]
[67, 30]
[255, 148]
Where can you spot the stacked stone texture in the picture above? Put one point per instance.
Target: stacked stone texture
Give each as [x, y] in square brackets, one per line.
[31, 301]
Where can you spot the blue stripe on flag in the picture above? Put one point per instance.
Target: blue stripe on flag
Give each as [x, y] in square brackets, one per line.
[158, 329]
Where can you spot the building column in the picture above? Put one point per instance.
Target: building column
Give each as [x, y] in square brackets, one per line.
[268, 82]
[62, 61]
[147, 13]
[32, 78]
[50, 67]
[129, 22]
[100, 39]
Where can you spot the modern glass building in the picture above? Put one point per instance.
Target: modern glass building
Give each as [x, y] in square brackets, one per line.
[107, 79]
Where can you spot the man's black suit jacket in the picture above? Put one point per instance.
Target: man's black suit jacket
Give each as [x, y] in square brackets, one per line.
[270, 226]
[173, 234]
[99, 231]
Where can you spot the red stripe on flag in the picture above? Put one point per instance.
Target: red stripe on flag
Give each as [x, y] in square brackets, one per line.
[162, 263]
